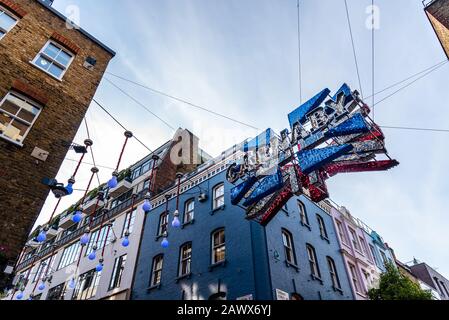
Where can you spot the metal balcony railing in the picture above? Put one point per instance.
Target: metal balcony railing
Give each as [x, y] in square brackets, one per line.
[75, 235]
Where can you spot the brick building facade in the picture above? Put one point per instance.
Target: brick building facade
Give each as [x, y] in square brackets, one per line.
[45, 90]
[438, 13]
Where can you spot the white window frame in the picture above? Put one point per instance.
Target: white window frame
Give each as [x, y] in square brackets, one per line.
[185, 260]
[155, 270]
[289, 247]
[303, 214]
[12, 15]
[322, 227]
[219, 198]
[355, 278]
[60, 65]
[13, 117]
[163, 224]
[217, 246]
[355, 240]
[333, 273]
[189, 213]
[313, 261]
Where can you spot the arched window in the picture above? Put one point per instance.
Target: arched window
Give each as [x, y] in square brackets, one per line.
[218, 246]
[218, 196]
[156, 270]
[289, 247]
[322, 226]
[313, 261]
[303, 213]
[333, 273]
[185, 259]
[189, 208]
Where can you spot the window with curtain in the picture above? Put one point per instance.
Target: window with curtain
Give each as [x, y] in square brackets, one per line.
[218, 246]
[189, 209]
[313, 261]
[303, 213]
[289, 249]
[218, 199]
[127, 223]
[185, 259]
[354, 278]
[87, 285]
[17, 116]
[333, 273]
[156, 270]
[322, 226]
[163, 223]
[117, 272]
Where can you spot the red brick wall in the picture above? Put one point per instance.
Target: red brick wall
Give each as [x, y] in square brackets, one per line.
[65, 102]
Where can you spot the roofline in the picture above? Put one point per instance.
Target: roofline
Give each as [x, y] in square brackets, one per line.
[426, 7]
[81, 30]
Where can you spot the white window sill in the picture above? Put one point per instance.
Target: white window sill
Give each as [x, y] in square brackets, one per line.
[19, 144]
[45, 71]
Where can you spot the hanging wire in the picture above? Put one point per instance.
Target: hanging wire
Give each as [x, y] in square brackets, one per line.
[353, 48]
[140, 104]
[408, 78]
[373, 57]
[90, 164]
[121, 125]
[91, 150]
[299, 52]
[416, 129]
[414, 81]
[183, 101]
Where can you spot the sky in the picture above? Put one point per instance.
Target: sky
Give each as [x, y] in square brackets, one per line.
[240, 58]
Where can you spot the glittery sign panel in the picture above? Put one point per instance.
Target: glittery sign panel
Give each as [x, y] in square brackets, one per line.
[327, 137]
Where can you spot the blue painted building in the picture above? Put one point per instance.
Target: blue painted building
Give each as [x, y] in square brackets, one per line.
[218, 254]
[381, 252]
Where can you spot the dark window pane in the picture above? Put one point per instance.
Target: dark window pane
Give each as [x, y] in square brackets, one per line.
[10, 106]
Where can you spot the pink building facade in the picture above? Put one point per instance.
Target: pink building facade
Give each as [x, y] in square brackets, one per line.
[358, 258]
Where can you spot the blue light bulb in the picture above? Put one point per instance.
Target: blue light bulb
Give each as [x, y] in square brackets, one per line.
[72, 284]
[42, 236]
[92, 255]
[176, 223]
[30, 298]
[20, 296]
[85, 239]
[113, 182]
[69, 188]
[77, 217]
[125, 242]
[41, 287]
[147, 206]
[164, 243]
[99, 267]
